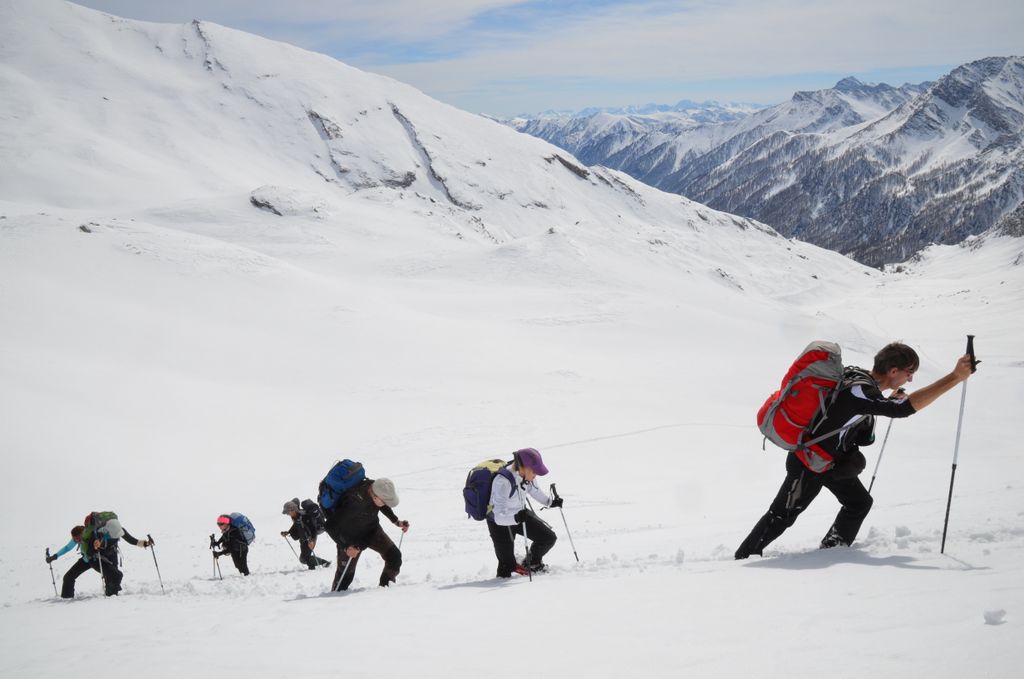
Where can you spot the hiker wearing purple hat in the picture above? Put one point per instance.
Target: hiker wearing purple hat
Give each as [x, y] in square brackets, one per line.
[510, 517]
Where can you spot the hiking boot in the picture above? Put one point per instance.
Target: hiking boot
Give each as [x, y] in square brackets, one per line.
[534, 567]
[832, 539]
[520, 569]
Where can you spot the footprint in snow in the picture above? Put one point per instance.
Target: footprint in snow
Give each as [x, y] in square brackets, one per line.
[995, 617]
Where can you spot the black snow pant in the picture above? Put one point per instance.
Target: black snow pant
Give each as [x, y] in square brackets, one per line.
[307, 557]
[797, 492]
[539, 533]
[378, 542]
[111, 574]
[240, 556]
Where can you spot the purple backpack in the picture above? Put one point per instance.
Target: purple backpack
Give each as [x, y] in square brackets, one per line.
[477, 492]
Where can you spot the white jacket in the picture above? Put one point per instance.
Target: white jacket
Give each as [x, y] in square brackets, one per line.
[505, 507]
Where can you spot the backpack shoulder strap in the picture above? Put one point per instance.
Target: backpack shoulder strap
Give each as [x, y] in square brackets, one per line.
[505, 472]
[852, 375]
[853, 423]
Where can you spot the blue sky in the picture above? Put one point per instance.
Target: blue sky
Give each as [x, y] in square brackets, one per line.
[504, 57]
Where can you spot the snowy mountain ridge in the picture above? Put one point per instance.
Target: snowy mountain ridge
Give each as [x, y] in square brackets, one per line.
[870, 170]
[198, 112]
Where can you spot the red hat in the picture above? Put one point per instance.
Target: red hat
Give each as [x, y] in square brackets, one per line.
[223, 518]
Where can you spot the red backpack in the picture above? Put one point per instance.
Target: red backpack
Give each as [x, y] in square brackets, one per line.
[806, 392]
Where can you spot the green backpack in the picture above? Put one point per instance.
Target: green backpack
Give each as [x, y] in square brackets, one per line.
[94, 523]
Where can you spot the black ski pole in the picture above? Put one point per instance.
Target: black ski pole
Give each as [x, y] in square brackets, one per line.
[899, 392]
[52, 578]
[526, 538]
[554, 492]
[956, 447]
[291, 548]
[526, 541]
[99, 557]
[880, 454]
[214, 575]
[348, 562]
[152, 549]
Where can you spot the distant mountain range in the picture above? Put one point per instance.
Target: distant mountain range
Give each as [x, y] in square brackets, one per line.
[695, 111]
[873, 171]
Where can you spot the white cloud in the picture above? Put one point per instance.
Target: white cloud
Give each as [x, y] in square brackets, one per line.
[395, 20]
[740, 40]
[643, 46]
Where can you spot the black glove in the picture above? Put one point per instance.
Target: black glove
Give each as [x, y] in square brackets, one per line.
[285, 533]
[863, 433]
[557, 502]
[521, 515]
[849, 465]
[150, 541]
[50, 558]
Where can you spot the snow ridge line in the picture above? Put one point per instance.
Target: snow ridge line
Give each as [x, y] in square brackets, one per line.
[208, 61]
[436, 179]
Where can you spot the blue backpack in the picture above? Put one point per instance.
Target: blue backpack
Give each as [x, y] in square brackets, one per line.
[244, 526]
[477, 492]
[344, 475]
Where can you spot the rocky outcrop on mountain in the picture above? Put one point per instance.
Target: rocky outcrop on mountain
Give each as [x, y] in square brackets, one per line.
[1012, 224]
[873, 171]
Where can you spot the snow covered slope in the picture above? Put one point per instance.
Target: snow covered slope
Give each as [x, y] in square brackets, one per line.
[170, 350]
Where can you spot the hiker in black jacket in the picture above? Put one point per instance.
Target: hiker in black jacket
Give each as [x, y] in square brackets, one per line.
[355, 525]
[307, 521]
[234, 543]
[97, 545]
[859, 397]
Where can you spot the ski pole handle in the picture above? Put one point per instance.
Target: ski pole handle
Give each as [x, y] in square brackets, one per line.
[970, 351]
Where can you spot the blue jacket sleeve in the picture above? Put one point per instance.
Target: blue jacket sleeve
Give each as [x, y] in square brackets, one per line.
[66, 548]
